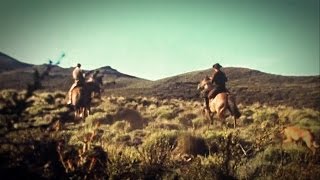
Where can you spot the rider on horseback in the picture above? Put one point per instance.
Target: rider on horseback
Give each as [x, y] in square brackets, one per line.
[78, 80]
[93, 77]
[219, 79]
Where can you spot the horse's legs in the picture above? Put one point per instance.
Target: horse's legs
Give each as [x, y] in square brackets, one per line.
[88, 111]
[75, 114]
[80, 113]
[208, 115]
[232, 107]
[220, 111]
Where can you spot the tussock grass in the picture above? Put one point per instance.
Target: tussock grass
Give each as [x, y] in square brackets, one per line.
[191, 145]
[148, 138]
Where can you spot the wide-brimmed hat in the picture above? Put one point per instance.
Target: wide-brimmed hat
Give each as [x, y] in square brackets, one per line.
[217, 66]
[78, 65]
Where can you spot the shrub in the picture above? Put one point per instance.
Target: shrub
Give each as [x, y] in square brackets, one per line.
[200, 122]
[120, 126]
[157, 147]
[265, 114]
[186, 119]
[201, 168]
[100, 118]
[156, 152]
[167, 125]
[131, 116]
[191, 145]
[124, 163]
[167, 112]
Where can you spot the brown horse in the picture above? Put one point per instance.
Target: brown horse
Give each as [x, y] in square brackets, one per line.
[221, 103]
[81, 98]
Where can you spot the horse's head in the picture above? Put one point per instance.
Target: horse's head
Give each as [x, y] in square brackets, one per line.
[204, 83]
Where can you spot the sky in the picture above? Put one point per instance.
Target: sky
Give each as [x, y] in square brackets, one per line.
[157, 39]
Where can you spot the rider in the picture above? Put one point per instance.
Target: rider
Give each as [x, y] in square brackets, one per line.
[219, 79]
[78, 79]
[93, 77]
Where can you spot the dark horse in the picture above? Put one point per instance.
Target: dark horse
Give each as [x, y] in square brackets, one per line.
[81, 98]
[221, 103]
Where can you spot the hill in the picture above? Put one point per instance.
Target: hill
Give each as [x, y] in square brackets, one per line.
[250, 86]
[8, 63]
[60, 78]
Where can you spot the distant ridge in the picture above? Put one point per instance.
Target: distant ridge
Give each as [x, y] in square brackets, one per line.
[250, 86]
[16, 75]
[8, 63]
[108, 70]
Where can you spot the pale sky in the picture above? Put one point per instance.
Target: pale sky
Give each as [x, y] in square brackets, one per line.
[158, 39]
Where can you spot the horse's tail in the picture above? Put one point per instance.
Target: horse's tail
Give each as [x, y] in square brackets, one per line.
[234, 110]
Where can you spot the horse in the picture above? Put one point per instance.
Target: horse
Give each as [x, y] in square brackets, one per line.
[222, 103]
[81, 98]
[99, 82]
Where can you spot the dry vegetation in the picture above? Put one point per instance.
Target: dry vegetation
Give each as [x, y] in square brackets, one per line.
[148, 138]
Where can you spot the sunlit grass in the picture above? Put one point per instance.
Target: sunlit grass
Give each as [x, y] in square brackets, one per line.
[151, 138]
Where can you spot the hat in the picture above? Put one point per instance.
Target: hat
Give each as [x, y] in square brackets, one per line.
[217, 66]
[78, 65]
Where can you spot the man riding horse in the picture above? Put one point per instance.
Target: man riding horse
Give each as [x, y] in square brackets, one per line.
[217, 97]
[219, 79]
[81, 91]
[78, 80]
[94, 78]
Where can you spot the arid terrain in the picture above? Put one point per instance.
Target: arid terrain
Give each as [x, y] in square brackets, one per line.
[250, 86]
[141, 129]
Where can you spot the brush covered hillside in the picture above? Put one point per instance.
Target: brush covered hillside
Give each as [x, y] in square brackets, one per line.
[7, 63]
[249, 85]
[142, 129]
[150, 138]
[17, 75]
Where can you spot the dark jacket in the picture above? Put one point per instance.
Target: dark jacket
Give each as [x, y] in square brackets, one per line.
[219, 78]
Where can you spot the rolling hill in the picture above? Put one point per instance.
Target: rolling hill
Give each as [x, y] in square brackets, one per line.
[249, 85]
[8, 63]
[17, 75]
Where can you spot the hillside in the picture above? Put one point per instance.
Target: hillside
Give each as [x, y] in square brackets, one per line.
[7, 63]
[149, 138]
[162, 137]
[249, 85]
[60, 78]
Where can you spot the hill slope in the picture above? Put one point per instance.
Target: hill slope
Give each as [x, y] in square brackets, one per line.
[60, 78]
[249, 85]
[8, 63]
